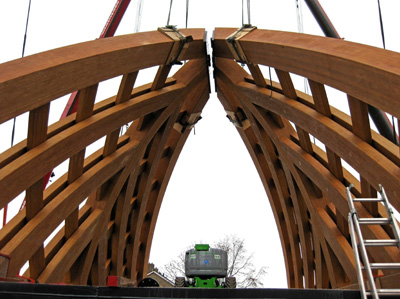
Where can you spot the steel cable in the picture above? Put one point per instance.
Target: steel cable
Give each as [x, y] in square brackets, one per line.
[15, 118]
[187, 13]
[384, 46]
[248, 12]
[381, 23]
[23, 54]
[169, 13]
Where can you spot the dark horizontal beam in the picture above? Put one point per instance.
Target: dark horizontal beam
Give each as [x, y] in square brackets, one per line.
[22, 290]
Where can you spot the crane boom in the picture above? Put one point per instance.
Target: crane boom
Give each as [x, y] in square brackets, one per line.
[115, 18]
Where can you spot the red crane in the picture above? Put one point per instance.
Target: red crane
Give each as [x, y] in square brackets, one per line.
[109, 30]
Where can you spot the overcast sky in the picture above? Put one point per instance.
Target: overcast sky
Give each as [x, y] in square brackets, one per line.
[215, 189]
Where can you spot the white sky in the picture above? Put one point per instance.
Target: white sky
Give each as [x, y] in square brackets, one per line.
[215, 189]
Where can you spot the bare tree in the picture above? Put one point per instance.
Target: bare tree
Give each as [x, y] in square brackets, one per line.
[176, 267]
[240, 263]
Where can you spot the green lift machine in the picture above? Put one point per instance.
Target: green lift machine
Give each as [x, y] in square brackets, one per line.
[206, 267]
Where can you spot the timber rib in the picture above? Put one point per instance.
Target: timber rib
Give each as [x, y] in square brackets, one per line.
[111, 199]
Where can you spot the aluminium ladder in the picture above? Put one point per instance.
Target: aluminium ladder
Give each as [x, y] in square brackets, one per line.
[360, 248]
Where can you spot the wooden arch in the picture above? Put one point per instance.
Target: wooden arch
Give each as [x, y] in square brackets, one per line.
[123, 183]
[306, 182]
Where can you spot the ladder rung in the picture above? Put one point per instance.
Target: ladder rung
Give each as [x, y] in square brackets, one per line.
[374, 221]
[388, 291]
[367, 199]
[391, 242]
[384, 266]
[385, 292]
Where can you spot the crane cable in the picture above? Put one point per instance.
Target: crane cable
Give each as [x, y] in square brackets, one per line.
[15, 118]
[169, 13]
[300, 29]
[26, 28]
[23, 54]
[248, 12]
[136, 29]
[299, 11]
[139, 9]
[381, 22]
[384, 47]
[187, 13]
[248, 18]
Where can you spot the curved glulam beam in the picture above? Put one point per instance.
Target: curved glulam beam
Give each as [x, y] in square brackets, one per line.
[193, 106]
[340, 64]
[69, 142]
[124, 182]
[314, 177]
[109, 178]
[50, 75]
[230, 101]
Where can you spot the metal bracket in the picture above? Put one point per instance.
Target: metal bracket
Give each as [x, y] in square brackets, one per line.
[238, 119]
[234, 45]
[187, 121]
[181, 43]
